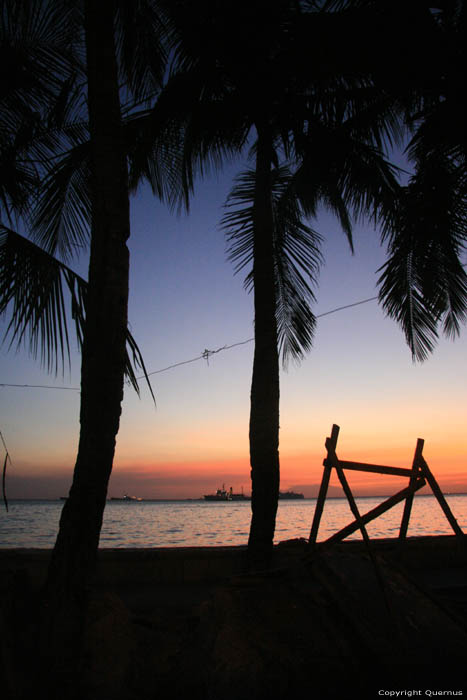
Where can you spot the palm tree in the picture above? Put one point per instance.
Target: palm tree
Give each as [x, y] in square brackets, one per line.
[253, 73]
[116, 35]
[336, 164]
[307, 86]
[106, 311]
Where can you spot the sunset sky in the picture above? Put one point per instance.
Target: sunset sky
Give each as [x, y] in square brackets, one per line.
[184, 298]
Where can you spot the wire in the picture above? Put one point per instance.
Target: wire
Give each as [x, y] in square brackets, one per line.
[43, 386]
[205, 355]
[347, 306]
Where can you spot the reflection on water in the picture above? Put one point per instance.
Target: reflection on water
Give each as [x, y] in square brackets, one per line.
[198, 523]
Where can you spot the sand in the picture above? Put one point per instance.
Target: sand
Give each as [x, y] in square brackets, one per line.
[186, 622]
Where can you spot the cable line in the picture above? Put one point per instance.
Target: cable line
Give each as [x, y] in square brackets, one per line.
[347, 306]
[43, 386]
[205, 355]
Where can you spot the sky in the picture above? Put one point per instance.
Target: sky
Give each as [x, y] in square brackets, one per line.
[185, 299]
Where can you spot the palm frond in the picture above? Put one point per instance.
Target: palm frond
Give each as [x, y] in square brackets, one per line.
[154, 147]
[343, 170]
[18, 178]
[442, 131]
[140, 28]
[298, 260]
[297, 256]
[402, 299]
[61, 217]
[39, 40]
[133, 361]
[423, 283]
[39, 293]
[5, 500]
[188, 131]
[238, 224]
[37, 94]
[33, 285]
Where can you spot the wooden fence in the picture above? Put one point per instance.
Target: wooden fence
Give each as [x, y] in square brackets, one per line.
[419, 475]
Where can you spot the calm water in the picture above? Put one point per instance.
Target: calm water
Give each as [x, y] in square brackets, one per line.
[192, 523]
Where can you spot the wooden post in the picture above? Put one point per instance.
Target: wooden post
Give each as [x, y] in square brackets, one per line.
[329, 462]
[425, 470]
[409, 500]
[417, 476]
[330, 444]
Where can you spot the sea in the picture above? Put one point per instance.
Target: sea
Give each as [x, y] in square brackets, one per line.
[34, 523]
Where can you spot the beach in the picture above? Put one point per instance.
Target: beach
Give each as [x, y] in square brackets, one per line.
[190, 622]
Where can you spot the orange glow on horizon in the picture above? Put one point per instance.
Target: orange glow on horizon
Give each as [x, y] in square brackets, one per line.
[300, 470]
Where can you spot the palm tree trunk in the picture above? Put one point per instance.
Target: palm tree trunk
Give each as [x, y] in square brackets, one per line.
[74, 555]
[264, 412]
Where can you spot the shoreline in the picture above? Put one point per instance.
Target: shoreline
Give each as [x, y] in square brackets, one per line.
[204, 564]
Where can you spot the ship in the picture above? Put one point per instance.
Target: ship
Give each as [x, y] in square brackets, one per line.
[220, 495]
[223, 495]
[290, 495]
[126, 498]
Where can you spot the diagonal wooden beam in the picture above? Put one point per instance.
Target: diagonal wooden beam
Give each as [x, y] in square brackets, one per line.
[330, 444]
[425, 470]
[375, 512]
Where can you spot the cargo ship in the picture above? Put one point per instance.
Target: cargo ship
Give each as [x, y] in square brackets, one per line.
[289, 495]
[223, 495]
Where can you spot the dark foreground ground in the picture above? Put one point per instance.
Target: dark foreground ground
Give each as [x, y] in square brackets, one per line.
[186, 623]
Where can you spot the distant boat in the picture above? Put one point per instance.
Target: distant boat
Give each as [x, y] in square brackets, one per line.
[220, 495]
[223, 495]
[290, 495]
[126, 498]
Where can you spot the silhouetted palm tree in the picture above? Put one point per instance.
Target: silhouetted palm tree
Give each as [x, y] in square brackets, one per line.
[104, 338]
[308, 87]
[121, 43]
[341, 169]
[264, 75]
